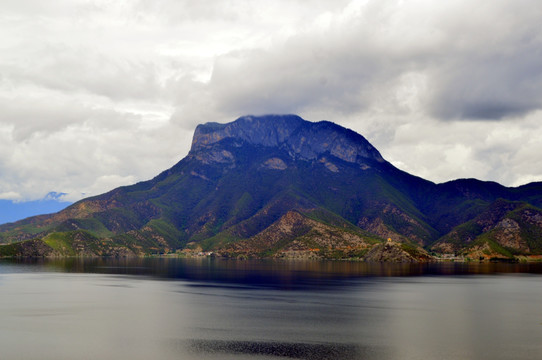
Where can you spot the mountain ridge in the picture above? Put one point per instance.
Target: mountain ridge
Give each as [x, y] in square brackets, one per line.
[242, 178]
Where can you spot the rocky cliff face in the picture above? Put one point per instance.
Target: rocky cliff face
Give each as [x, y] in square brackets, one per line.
[300, 138]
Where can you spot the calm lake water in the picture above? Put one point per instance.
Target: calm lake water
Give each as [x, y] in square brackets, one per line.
[219, 309]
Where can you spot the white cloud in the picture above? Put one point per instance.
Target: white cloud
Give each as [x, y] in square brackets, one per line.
[10, 195]
[95, 94]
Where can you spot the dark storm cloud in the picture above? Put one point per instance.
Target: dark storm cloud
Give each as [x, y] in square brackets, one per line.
[290, 82]
[488, 70]
[338, 71]
[500, 84]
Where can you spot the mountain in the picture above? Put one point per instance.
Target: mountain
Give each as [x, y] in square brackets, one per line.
[280, 186]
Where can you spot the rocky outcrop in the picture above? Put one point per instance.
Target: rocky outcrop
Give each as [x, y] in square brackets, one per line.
[507, 233]
[216, 156]
[329, 165]
[301, 138]
[274, 164]
[296, 236]
[396, 252]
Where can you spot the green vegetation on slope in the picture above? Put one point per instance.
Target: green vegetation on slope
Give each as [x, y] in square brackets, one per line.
[229, 191]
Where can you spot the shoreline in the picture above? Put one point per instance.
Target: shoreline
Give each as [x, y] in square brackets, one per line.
[520, 259]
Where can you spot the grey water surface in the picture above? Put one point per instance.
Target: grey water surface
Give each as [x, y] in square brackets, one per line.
[218, 309]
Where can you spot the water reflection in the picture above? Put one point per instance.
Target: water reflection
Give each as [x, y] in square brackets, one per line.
[214, 309]
[283, 273]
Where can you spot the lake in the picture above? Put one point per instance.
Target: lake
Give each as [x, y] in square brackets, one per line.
[223, 309]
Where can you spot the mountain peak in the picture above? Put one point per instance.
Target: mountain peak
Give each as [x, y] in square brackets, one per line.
[303, 139]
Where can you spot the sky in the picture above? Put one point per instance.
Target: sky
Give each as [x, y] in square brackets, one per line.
[95, 94]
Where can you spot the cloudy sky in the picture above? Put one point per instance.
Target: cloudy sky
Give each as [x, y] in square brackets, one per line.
[96, 93]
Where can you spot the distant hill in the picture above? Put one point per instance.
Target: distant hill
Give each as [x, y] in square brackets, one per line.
[280, 186]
